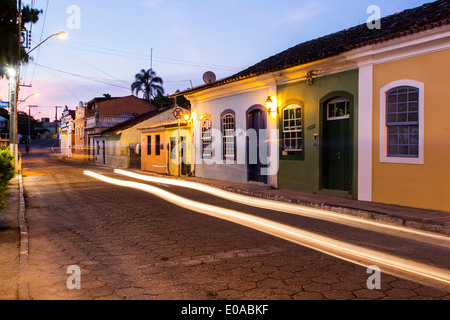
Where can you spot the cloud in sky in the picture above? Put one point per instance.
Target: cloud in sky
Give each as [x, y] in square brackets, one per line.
[306, 12]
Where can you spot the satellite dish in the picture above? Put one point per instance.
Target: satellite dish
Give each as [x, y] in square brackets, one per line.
[209, 77]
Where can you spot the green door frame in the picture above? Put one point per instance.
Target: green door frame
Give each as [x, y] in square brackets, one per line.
[323, 106]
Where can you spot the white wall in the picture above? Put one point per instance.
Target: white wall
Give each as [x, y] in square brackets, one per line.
[239, 103]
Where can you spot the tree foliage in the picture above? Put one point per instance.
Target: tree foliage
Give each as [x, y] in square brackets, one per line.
[147, 82]
[6, 172]
[162, 101]
[9, 31]
[22, 124]
[22, 121]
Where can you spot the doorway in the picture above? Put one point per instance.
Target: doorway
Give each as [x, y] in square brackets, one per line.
[256, 120]
[337, 154]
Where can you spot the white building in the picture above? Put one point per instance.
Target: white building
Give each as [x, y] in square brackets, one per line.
[234, 134]
[67, 136]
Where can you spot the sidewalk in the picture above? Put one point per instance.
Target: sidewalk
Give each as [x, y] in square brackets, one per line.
[427, 220]
[9, 243]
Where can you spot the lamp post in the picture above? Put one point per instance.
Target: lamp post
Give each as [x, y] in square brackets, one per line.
[29, 122]
[29, 115]
[187, 119]
[14, 88]
[13, 114]
[13, 73]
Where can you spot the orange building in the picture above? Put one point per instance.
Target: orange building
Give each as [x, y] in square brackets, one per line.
[157, 142]
[154, 154]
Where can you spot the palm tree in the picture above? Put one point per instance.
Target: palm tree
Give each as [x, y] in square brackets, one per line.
[148, 83]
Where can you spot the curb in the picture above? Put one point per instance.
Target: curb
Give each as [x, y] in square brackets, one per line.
[23, 290]
[392, 219]
[419, 223]
[23, 227]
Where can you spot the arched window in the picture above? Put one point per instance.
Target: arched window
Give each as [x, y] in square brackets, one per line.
[206, 137]
[292, 128]
[228, 133]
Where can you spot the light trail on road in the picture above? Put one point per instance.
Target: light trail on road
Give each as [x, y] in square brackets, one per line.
[348, 252]
[291, 208]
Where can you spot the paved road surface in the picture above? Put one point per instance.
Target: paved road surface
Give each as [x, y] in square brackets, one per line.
[130, 244]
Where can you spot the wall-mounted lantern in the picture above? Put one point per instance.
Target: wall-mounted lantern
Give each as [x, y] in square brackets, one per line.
[309, 77]
[271, 105]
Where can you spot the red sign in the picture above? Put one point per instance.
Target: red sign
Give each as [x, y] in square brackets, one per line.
[178, 113]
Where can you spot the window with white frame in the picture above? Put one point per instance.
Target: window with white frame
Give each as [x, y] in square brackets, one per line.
[338, 108]
[401, 122]
[206, 137]
[292, 128]
[228, 133]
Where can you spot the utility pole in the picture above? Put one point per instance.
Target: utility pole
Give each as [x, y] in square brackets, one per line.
[29, 122]
[151, 59]
[14, 79]
[56, 121]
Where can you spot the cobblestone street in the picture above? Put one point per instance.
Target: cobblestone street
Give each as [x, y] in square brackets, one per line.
[132, 245]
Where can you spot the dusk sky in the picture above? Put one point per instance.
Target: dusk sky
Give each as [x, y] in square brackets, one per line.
[113, 40]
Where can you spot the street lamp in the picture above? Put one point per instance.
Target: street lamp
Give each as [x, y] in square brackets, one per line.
[11, 72]
[36, 94]
[61, 35]
[14, 89]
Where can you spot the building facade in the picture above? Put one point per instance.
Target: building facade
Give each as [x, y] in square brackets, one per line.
[158, 142]
[404, 83]
[106, 113]
[232, 129]
[357, 115]
[123, 145]
[67, 134]
[318, 125]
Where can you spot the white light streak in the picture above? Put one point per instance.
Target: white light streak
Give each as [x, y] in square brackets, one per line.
[348, 252]
[290, 208]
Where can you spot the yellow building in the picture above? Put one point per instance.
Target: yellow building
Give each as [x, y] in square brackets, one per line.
[404, 133]
[411, 158]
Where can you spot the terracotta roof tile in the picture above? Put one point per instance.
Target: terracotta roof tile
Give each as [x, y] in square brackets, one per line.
[429, 16]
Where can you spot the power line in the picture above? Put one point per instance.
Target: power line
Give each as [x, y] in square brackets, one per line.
[138, 56]
[104, 81]
[40, 39]
[85, 65]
